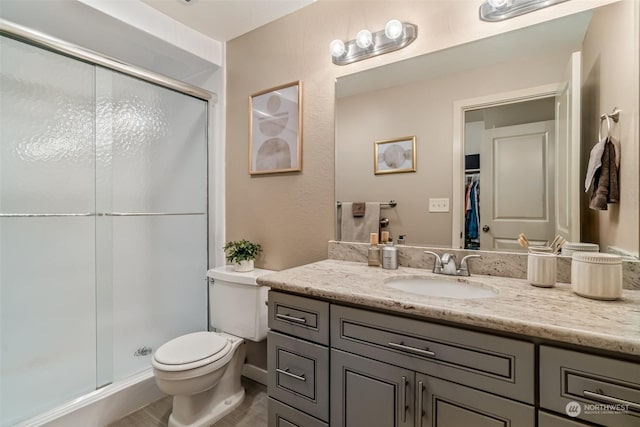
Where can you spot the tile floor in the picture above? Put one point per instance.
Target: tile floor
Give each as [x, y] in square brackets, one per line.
[252, 412]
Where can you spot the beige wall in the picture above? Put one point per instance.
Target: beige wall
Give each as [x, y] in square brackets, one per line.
[423, 109]
[610, 79]
[292, 215]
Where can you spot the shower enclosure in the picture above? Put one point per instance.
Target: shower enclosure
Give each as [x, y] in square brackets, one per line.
[103, 224]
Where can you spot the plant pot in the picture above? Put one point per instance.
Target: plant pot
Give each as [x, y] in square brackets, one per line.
[244, 266]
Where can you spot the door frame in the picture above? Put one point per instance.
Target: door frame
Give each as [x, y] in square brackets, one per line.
[460, 107]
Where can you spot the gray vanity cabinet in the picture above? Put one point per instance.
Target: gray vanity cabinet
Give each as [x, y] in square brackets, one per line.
[600, 389]
[546, 419]
[298, 361]
[390, 371]
[447, 404]
[365, 392]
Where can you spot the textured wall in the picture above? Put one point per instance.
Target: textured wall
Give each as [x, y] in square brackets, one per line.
[610, 79]
[292, 215]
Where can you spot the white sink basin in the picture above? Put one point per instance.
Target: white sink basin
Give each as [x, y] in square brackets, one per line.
[443, 288]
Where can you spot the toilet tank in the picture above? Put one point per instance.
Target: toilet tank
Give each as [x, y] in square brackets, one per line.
[237, 304]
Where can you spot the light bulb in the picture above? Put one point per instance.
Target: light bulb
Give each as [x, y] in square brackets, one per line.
[497, 4]
[337, 48]
[364, 38]
[393, 29]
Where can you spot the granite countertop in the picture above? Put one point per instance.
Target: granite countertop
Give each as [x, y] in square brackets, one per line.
[549, 313]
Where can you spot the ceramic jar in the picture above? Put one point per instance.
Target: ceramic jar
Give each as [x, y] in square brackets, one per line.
[596, 275]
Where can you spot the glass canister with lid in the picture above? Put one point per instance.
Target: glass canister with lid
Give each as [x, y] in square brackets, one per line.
[596, 275]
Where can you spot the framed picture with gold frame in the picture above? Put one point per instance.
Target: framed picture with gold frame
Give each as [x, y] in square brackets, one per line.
[275, 129]
[395, 155]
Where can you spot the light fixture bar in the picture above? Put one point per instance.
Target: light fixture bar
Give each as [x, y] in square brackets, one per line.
[512, 8]
[381, 44]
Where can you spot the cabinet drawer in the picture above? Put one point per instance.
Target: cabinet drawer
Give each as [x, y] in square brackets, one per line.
[447, 404]
[299, 374]
[303, 317]
[499, 365]
[281, 415]
[550, 420]
[607, 390]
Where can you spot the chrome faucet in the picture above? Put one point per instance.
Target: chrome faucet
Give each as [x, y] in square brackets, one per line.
[447, 264]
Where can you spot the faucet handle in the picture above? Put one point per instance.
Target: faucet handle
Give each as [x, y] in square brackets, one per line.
[464, 268]
[437, 265]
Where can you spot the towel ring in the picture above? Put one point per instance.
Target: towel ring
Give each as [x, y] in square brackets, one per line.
[602, 119]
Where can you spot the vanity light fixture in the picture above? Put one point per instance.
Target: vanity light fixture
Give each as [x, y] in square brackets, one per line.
[499, 10]
[396, 35]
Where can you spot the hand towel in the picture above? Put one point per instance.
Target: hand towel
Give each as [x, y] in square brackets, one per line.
[595, 160]
[358, 209]
[605, 181]
[358, 229]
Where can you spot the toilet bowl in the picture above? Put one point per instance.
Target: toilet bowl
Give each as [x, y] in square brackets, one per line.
[202, 370]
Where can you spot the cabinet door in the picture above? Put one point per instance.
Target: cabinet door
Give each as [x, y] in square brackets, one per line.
[299, 374]
[369, 393]
[446, 404]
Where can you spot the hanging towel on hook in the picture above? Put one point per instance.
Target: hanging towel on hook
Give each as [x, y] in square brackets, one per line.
[595, 159]
[605, 180]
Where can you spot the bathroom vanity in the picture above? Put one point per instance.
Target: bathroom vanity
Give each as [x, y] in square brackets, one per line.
[347, 350]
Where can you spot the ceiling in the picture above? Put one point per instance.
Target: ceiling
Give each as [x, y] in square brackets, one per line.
[224, 20]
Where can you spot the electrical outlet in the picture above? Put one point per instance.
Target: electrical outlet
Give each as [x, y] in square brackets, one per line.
[438, 205]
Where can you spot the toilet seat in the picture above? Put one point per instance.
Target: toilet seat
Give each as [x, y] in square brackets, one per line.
[191, 351]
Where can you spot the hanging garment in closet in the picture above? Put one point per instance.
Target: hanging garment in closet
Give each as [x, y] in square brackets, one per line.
[472, 217]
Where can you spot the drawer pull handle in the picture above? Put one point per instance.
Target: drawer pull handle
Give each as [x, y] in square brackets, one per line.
[291, 318]
[609, 399]
[403, 395]
[419, 410]
[403, 347]
[289, 374]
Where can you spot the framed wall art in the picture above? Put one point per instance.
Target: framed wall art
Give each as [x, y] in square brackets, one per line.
[275, 130]
[395, 155]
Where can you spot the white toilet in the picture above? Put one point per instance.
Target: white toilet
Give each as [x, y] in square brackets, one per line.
[202, 370]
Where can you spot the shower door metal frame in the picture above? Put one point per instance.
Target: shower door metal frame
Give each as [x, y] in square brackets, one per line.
[53, 44]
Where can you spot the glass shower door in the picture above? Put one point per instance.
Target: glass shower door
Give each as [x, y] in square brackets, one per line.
[47, 230]
[103, 226]
[151, 182]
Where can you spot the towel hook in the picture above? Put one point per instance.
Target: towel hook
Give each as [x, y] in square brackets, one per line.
[602, 119]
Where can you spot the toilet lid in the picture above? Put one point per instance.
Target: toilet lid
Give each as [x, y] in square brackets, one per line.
[191, 348]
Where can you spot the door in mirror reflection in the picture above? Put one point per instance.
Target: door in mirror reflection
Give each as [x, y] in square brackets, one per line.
[510, 178]
[519, 188]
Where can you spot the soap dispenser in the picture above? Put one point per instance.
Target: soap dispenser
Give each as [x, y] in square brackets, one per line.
[390, 256]
[373, 255]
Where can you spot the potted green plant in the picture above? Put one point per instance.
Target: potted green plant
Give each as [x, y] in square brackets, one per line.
[242, 253]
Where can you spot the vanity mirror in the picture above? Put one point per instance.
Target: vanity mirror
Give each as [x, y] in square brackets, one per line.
[458, 97]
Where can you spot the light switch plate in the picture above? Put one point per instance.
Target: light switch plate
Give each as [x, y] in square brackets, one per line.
[438, 205]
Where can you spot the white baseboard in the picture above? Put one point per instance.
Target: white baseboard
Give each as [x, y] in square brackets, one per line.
[255, 373]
